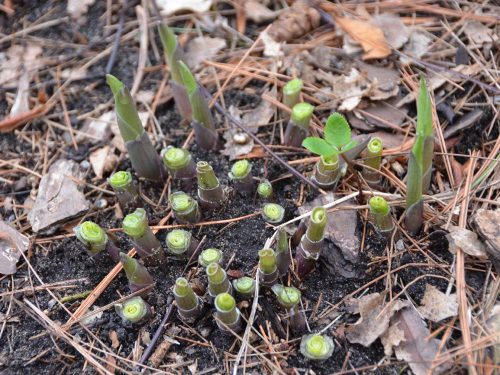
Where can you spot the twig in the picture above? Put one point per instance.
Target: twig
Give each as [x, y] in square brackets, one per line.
[118, 35]
[158, 333]
[142, 16]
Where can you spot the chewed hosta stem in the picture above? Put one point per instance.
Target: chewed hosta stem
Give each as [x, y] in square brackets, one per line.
[244, 286]
[289, 299]
[268, 271]
[189, 305]
[180, 165]
[125, 191]
[147, 245]
[381, 215]
[184, 207]
[134, 310]
[217, 280]
[181, 243]
[95, 239]
[312, 242]
[174, 54]
[291, 92]
[210, 191]
[373, 160]
[283, 258]
[137, 275]
[241, 176]
[227, 315]
[265, 190]
[202, 120]
[316, 347]
[327, 172]
[144, 159]
[298, 126]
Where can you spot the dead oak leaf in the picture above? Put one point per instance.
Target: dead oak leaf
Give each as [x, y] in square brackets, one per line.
[436, 305]
[370, 37]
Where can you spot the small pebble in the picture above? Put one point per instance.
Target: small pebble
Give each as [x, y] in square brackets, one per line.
[85, 164]
[101, 203]
[400, 245]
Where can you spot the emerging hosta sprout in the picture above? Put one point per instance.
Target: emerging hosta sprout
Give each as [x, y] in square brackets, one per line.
[291, 92]
[273, 213]
[227, 314]
[137, 275]
[210, 191]
[203, 123]
[283, 258]
[311, 242]
[133, 310]
[327, 172]
[124, 188]
[217, 280]
[373, 160]
[209, 256]
[184, 207]
[95, 239]
[241, 175]
[189, 305]
[381, 215]
[142, 154]
[289, 299]
[420, 162]
[268, 270]
[147, 245]
[298, 126]
[244, 286]
[265, 190]
[316, 346]
[180, 164]
[174, 54]
[181, 243]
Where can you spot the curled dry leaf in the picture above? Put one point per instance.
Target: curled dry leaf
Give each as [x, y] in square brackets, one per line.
[102, 161]
[478, 34]
[467, 241]
[59, 198]
[21, 103]
[487, 225]
[17, 57]
[203, 48]
[294, 22]
[436, 305]
[258, 12]
[169, 7]
[97, 130]
[77, 9]
[370, 37]
[374, 320]
[237, 142]
[416, 47]
[409, 337]
[395, 32]
[12, 243]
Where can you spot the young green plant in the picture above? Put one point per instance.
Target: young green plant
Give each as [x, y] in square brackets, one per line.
[189, 305]
[289, 299]
[180, 165]
[420, 162]
[373, 160]
[336, 141]
[184, 207]
[96, 240]
[244, 287]
[202, 120]
[134, 310]
[209, 256]
[268, 270]
[381, 215]
[316, 347]
[210, 192]
[291, 92]
[265, 190]
[174, 54]
[312, 242]
[217, 280]
[283, 258]
[144, 159]
[273, 213]
[125, 191]
[137, 275]
[298, 126]
[241, 176]
[147, 245]
[227, 315]
[181, 243]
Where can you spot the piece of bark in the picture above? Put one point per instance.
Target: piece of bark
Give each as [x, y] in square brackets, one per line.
[12, 243]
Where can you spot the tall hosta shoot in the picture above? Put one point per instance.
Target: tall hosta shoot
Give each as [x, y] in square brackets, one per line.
[420, 161]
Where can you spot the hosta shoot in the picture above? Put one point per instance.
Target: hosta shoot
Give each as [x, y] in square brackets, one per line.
[137, 275]
[291, 92]
[189, 305]
[134, 310]
[210, 191]
[227, 315]
[298, 126]
[241, 176]
[123, 186]
[316, 347]
[381, 215]
[95, 239]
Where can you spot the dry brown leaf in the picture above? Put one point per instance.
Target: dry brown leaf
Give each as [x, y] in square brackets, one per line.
[395, 32]
[17, 57]
[12, 243]
[467, 241]
[479, 34]
[416, 349]
[113, 336]
[258, 12]
[487, 225]
[21, 103]
[203, 48]
[436, 305]
[369, 36]
[294, 22]
[416, 47]
[111, 363]
[169, 7]
[372, 323]
[78, 8]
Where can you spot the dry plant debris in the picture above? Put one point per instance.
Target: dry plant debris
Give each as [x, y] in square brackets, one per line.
[394, 303]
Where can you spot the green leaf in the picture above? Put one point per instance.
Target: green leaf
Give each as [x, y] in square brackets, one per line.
[349, 145]
[319, 146]
[337, 130]
[424, 110]
[187, 78]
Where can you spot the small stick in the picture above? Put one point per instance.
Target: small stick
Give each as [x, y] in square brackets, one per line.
[159, 331]
[118, 35]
